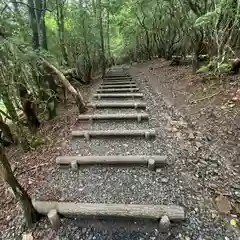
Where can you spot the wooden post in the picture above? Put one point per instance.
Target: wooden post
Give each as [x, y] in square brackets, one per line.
[54, 218]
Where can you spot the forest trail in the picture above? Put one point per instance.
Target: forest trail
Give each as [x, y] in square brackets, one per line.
[178, 183]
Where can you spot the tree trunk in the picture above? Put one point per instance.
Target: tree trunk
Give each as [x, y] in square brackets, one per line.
[60, 24]
[30, 214]
[99, 13]
[6, 130]
[43, 29]
[29, 109]
[34, 25]
[75, 93]
[108, 31]
[197, 50]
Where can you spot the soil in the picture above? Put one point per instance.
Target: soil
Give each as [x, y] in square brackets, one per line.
[198, 129]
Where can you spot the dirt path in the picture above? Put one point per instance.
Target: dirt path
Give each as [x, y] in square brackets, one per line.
[194, 178]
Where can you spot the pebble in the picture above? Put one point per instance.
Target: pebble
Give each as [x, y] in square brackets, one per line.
[164, 180]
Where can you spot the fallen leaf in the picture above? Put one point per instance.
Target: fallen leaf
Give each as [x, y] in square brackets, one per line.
[223, 204]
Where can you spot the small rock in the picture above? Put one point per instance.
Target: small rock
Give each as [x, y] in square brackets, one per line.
[213, 215]
[198, 144]
[191, 136]
[164, 180]
[173, 129]
[187, 238]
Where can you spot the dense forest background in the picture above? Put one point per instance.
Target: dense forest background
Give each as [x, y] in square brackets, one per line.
[50, 47]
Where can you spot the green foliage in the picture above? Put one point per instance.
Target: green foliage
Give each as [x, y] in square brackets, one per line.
[203, 69]
[37, 140]
[224, 67]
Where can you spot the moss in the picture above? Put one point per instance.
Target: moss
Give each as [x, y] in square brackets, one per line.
[225, 67]
[203, 69]
[36, 141]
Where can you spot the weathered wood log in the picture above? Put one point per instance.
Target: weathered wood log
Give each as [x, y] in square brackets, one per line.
[164, 224]
[135, 105]
[139, 117]
[159, 161]
[115, 133]
[174, 212]
[128, 85]
[74, 165]
[75, 92]
[118, 95]
[117, 77]
[54, 218]
[151, 164]
[110, 90]
[118, 82]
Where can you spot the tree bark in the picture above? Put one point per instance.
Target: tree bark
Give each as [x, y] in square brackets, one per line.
[30, 214]
[43, 28]
[34, 25]
[29, 109]
[60, 24]
[99, 18]
[6, 130]
[75, 93]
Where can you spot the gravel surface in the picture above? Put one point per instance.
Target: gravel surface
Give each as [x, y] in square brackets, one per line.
[179, 183]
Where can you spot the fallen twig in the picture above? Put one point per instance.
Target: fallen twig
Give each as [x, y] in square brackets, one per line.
[207, 97]
[30, 169]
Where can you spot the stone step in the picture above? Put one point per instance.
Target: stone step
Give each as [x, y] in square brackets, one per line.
[68, 209]
[74, 162]
[138, 117]
[117, 105]
[118, 95]
[117, 90]
[146, 133]
[127, 85]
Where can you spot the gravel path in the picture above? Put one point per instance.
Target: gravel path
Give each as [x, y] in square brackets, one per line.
[176, 184]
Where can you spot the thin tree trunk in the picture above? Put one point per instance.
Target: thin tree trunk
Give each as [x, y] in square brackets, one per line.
[103, 61]
[108, 31]
[75, 93]
[43, 28]
[60, 24]
[34, 25]
[30, 214]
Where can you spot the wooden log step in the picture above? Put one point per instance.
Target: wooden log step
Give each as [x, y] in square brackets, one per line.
[118, 95]
[117, 90]
[135, 105]
[68, 209]
[147, 133]
[160, 161]
[129, 85]
[118, 77]
[138, 117]
[117, 82]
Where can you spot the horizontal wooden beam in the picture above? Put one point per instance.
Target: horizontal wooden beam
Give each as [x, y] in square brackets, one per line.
[117, 90]
[138, 116]
[147, 133]
[174, 212]
[118, 95]
[116, 77]
[135, 105]
[117, 82]
[131, 85]
[159, 161]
